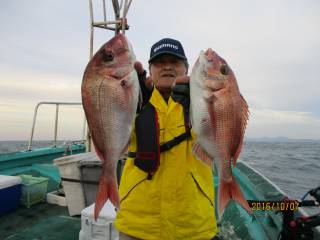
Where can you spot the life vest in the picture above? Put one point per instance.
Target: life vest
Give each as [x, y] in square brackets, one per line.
[147, 157]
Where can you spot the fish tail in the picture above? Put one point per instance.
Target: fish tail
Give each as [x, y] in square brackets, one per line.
[231, 190]
[108, 189]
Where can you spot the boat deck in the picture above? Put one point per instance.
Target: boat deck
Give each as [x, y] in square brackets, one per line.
[52, 222]
[40, 221]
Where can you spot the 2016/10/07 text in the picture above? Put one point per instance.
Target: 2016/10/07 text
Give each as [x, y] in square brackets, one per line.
[274, 205]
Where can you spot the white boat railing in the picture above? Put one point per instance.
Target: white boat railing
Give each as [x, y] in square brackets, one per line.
[57, 104]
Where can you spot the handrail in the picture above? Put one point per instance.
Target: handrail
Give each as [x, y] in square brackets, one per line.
[56, 120]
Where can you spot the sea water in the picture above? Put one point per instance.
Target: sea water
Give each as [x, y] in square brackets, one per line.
[292, 166]
[16, 146]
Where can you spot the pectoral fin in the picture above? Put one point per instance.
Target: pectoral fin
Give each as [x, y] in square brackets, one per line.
[202, 155]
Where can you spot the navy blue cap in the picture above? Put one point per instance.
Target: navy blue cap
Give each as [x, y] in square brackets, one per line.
[169, 46]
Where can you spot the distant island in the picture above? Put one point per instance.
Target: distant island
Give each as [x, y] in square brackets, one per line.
[279, 139]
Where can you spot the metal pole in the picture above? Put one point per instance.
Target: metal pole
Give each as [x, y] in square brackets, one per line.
[91, 28]
[124, 16]
[84, 127]
[56, 126]
[116, 9]
[33, 125]
[104, 12]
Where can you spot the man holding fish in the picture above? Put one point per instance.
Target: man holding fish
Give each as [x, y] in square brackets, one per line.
[173, 198]
[166, 189]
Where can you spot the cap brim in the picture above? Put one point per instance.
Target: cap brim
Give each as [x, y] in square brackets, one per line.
[166, 52]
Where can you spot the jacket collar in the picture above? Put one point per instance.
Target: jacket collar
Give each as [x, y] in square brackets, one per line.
[159, 103]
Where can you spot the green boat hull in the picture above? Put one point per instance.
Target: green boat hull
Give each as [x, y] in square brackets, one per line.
[38, 162]
[47, 219]
[236, 223]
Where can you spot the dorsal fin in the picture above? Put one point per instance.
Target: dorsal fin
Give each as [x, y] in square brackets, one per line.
[244, 114]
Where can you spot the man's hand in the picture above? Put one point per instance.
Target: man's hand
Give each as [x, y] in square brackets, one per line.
[181, 91]
[142, 74]
[139, 68]
[181, 80]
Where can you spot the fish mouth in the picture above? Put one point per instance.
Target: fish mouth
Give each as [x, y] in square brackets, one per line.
[214, 86]
[214, 76]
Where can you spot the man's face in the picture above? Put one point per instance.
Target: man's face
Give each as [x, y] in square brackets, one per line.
[164, 70]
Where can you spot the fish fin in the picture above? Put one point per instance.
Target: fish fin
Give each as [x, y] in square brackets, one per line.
[228, 191]
[244, 114]
[237, 153]
[202, 155]
[99, 153]
[126, 148]
[107, 190]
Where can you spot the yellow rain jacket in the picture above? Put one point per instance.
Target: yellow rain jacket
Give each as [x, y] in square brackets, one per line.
[178, 202]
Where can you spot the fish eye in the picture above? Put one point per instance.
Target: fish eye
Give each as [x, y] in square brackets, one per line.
[122, 83]
[108, 56]
[224, 69]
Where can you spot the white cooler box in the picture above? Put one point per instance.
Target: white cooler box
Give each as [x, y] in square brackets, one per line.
[103, 228]
[73, 190]
[72, 185]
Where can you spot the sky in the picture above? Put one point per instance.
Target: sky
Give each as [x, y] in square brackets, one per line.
[272, 46]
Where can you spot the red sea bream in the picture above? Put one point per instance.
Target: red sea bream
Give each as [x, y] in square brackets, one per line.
[110, 91]
[219, 116]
